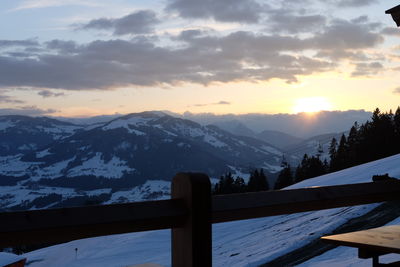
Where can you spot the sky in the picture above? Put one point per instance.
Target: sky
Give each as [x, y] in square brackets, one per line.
[80, 58]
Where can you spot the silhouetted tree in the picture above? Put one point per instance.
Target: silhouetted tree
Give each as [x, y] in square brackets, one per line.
[333, 149]
[285, 177]
[320, 151]
[257, 181]
[352, 146]
[225, 184]
[340, 160]
[228, 185]
[309, 167]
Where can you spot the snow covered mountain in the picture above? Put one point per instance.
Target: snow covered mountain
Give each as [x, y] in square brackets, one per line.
[91, 164]
[278, 139]
[21, 134]
[316, 145]
[241, 243]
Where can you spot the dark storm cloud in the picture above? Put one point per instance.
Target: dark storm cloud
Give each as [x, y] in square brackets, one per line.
[242, 11]
[139, 22]
[48, 93]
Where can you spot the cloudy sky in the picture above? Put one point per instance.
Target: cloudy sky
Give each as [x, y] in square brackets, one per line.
[92, 57]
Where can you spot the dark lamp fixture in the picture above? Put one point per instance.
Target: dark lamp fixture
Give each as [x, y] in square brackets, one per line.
[395, 12]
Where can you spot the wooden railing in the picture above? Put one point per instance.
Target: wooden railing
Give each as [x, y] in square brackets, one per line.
[189, 213]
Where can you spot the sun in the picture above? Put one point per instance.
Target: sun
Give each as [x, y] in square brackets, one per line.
[311, 105]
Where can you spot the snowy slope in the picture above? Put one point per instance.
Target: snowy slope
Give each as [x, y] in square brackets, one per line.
[21, 134]
[311, 147]
[241, 243]
[346, 256]
[40, 197]
[117, 155]
[133, 144]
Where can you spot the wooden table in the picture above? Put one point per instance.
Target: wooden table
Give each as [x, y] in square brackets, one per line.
[371, 243]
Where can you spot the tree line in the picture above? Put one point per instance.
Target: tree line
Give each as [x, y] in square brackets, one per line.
[378, 138]
[229, 185]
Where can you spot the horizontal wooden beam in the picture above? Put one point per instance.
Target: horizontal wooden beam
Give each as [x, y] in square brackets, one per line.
[60, 225]
[261, 204]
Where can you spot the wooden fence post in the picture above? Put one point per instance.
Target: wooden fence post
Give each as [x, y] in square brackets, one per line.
[191, 243]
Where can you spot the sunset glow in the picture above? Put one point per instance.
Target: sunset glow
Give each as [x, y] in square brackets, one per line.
[94, 57]
[312, 104]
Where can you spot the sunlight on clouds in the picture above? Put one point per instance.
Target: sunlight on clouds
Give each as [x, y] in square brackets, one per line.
[312, 104]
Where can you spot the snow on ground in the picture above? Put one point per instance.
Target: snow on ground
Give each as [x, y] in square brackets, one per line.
[122, 124]
[272, 150]
[240, 243]
[13, 166]
[7, 259]
[358, 174]
[272, 168]
[127, 123]
[50, 172]
[43, 153]
[152, 189]
[6, 124]
[238, 173]
[59, 131]
[27, 147]
[188, 130]
[213, 141]
[346, 256]
[15, 195]
[114, 168]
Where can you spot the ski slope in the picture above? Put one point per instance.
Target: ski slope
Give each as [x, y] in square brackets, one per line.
[240, 243]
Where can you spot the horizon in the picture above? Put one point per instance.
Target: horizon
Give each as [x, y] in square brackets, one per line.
[301, 125]
[92, 58]
[187, 112]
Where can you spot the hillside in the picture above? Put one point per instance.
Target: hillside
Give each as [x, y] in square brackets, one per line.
[241, 243]
[22, 134]
[311, 147]
[115, 161]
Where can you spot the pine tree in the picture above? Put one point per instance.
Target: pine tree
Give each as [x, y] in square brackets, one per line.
[340, 160]
[257, 181]
[309, 167]
[285, 177]
[396, 125]
[332, 148]
[225, 185]
[320, 150]
[352, 146]
[239, 186]
[301, 174]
